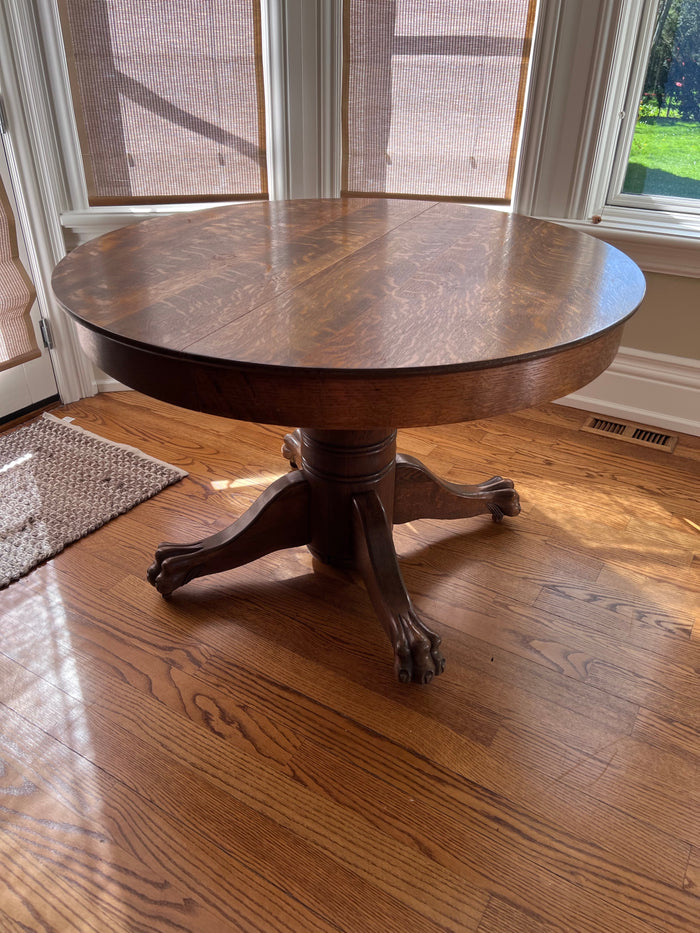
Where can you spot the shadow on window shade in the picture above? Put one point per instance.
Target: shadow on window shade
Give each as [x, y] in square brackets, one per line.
[168, 98]
[433, 96]
[17, 341]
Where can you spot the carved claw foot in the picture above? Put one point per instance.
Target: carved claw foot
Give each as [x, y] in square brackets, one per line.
[416, 650]
[499, 497]
[279, 518]
[417, 656]
[171, 566]
[291, 449]
[421, 494]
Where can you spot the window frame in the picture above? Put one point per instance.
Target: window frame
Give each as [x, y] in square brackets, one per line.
[578, 132]
[40, 180]
[643, 203]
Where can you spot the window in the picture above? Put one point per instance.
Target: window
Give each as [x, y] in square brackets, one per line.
[433, 97]
[17, 341]
[168, 99]
[591, 63]
[665, 149]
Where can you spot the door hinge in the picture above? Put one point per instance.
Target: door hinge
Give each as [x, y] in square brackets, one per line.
[3, 117]
[46, 333]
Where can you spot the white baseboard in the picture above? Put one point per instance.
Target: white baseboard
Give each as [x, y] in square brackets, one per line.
[105, 383]
[651, 388]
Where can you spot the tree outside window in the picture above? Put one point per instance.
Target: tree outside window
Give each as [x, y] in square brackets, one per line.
[665, 153]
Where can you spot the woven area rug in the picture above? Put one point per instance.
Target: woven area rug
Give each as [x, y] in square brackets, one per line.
[58, 483]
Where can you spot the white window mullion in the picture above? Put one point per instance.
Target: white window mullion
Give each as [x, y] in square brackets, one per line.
[573, 108]
[613, 44]
[302, 61]
[49, 21]
[275, 80]
[330, 77]
[538, 104]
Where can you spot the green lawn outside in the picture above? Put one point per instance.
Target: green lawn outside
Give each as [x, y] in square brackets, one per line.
[665, 159]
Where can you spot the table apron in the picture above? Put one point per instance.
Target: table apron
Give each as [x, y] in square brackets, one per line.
[325, 399]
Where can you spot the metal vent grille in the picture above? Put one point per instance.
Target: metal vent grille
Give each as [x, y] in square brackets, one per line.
[632, 433]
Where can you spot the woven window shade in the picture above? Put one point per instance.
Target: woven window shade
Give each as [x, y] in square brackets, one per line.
[168, 98]
[433, 96]
[17, 341]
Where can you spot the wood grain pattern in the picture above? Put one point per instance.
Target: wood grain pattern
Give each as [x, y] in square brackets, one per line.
[239, 757]
[350, 313]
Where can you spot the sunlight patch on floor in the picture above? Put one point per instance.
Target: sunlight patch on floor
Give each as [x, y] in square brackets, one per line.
[245, 482]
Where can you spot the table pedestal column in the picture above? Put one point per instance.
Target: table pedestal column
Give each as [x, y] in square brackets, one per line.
[339, 465]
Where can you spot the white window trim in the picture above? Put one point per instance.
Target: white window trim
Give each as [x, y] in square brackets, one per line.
[638, 205]
[640, 56]
[661, 233]
[40, 183]
[302, 41]
[569, 108]
[587, 73]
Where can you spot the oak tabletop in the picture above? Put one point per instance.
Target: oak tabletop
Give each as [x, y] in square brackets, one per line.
[317, 294]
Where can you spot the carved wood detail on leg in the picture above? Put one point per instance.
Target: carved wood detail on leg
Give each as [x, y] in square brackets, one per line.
[279, 518]
[416, 648]
[291, 448]
[421, 494]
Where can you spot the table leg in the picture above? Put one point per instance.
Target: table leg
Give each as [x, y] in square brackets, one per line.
[421, 494]
[279, 518]
[416, 647]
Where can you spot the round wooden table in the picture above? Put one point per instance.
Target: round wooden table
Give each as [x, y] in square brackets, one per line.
[351, 317]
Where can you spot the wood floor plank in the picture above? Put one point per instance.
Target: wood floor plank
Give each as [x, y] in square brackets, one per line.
[627, 838]
[76, 834]
[162, 803]
[692, 875]
[502, 917]
[661, 683]
[239, 756]
[668, 735]
[460, 813]
[231, 674]
[643, 782]
[636, 618]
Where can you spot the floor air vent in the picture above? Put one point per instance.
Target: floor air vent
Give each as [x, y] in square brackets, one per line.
[633, 433]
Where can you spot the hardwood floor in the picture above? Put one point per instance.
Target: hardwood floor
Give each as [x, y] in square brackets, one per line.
[239, 756]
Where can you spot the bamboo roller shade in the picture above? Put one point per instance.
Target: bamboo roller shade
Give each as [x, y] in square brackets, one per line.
[17, 341]
[168, 98]
[433, 97]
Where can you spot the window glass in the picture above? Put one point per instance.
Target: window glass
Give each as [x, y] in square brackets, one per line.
[433, 96]
[168, 98]
[665, 154]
